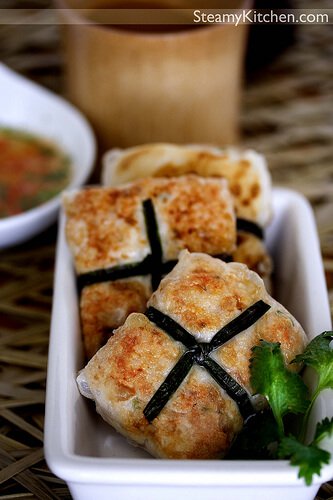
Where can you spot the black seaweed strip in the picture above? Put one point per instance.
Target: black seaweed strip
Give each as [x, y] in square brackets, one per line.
[250, 227]
[168, 266]
[246, 319]
[115, 273]
[231, 387]
[169, 386]
[152, 264]
[155, 243]
[170, 326]
[226, 257]
[199, 353]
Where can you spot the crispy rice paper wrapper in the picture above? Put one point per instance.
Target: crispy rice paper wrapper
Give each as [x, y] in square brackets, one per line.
[122, 245]
[201, 417]
[246, 171]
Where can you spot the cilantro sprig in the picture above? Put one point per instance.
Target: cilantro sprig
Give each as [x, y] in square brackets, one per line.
[290, 399]
[319, 356]
[309, 458]
[284, 390]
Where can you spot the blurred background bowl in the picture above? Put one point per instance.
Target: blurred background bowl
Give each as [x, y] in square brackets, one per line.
[29, 107]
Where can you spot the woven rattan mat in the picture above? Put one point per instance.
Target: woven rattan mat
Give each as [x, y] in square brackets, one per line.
[287, 115]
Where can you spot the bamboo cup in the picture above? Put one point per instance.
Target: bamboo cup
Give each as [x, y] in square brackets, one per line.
[136, 87]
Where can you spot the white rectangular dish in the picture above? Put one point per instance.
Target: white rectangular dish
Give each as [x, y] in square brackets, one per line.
[95, 461]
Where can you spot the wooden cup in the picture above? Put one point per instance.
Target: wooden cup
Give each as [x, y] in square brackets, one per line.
[136, 87]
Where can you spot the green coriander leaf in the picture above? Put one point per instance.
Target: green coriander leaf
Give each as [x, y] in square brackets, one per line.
[284, 390]
[319, 356]
[323, 429]
[309, 459]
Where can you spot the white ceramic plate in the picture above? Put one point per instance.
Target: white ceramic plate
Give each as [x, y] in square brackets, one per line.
[27, 106]
[98, 463]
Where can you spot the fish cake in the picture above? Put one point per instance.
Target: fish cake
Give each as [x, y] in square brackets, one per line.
[124, 239]
[246, 171]
[178, 348]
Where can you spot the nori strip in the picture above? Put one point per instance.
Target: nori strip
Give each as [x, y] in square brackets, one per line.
[152, 264]
[249, 226]
[114, 273]
[246, 319]
[231, 387]
[169, 386]
[171, 327]
[155, 243]
[199, 353]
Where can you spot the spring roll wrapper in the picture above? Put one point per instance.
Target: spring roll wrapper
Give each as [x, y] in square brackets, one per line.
[200, 421]
[246, 171]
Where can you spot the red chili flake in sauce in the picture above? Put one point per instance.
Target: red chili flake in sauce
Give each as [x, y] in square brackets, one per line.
[32, 171]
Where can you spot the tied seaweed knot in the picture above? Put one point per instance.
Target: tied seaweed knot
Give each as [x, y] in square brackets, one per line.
[152, 264]
[199, 353]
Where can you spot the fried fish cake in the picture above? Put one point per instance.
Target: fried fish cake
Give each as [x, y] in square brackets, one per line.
[117, 245]
[202, 414]
[246, 171]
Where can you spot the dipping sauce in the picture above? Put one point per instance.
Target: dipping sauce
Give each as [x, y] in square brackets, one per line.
[32, 171]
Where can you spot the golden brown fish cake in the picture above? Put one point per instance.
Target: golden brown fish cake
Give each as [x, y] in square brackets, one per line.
[203, 294]
[246, 171]
[106, 228]
[193, 213]
[199, 420]
[124, 374]
[105, 306]
[251, 251]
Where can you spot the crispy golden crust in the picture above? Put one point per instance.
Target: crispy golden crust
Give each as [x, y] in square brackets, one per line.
[199, 421]
[276, 326]
[251, 251]
[105, 226]
[105, 306]
[204, 294]
[246, 172]
[193, 213]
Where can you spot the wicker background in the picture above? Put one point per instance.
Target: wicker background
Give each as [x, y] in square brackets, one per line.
[287, 115]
